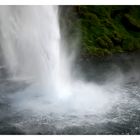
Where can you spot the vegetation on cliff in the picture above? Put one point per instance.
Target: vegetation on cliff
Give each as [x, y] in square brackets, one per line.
[105, 30]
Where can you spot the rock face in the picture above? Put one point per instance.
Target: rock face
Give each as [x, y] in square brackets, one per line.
[105, 30]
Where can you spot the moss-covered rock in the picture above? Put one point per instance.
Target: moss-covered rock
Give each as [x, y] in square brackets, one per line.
[105, 42]
[105, 30]
[131, 44]
[131, 23]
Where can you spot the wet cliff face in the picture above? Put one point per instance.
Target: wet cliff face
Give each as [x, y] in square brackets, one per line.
[105, 30]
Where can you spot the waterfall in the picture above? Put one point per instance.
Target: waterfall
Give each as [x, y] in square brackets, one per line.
[34, 51]
[30, 41]
[27, 33]
[41, 92]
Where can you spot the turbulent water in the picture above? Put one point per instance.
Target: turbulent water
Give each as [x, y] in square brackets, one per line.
[42, 93]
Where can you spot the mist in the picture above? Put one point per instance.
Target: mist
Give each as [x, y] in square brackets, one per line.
[44, 85]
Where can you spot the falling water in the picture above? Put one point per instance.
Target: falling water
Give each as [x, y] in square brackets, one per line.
[31, 44]
[30, 40]
[34, 52]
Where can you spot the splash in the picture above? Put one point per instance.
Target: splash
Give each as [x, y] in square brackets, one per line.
[34, 51]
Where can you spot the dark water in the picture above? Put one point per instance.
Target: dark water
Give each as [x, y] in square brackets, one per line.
[124, 117]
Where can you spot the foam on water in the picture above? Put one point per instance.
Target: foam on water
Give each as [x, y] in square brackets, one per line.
[34, 51]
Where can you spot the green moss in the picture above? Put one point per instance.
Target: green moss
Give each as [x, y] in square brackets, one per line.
[133, 22]
[131, 44]
[93, 51]
[105, 30]
[104, 42]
